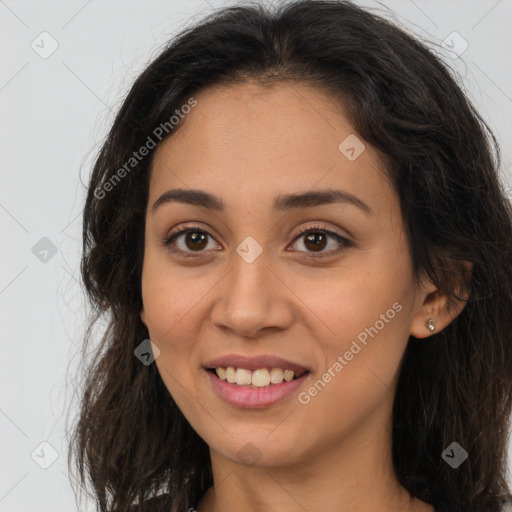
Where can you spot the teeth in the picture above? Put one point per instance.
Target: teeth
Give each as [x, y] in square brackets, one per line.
[230, 374]
[243, 377]
[259, 378]
[276, 375]
[288, 375]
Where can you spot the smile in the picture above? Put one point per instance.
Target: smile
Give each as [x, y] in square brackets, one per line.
[266, 387]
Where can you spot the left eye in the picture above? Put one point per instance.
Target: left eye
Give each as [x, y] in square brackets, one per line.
[315, 240]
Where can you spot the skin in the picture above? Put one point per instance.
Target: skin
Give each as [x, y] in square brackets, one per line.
[247, 144]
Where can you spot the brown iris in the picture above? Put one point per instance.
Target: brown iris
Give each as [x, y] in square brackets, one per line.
[317, 241]
[198, 240]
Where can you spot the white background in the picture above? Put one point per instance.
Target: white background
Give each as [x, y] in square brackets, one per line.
[54, 114]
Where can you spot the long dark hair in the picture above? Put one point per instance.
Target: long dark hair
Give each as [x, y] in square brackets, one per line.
[131, 441]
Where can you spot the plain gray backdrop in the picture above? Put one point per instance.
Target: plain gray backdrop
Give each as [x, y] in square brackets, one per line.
[64, 70]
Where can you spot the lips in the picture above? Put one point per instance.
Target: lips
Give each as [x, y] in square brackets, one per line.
[264, 394]
[245, 397]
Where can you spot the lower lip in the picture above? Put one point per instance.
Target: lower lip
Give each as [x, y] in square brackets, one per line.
[254, 398]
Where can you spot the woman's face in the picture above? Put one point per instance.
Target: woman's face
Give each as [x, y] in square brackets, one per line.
[244, 283]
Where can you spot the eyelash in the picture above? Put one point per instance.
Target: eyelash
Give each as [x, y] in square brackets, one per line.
[302, 232]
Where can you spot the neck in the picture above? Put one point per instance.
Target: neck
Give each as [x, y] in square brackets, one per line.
[355, 474]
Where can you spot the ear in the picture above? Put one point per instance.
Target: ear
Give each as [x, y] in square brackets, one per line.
[143, 316]
[435, 305]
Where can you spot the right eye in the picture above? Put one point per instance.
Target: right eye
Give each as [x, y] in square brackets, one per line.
[194, 239]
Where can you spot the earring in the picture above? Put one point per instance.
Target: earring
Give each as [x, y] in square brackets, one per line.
[430, 324]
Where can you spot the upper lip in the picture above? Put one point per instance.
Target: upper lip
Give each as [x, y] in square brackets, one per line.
[255, 362]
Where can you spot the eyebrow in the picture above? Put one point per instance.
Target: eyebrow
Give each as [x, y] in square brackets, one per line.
[282, 203]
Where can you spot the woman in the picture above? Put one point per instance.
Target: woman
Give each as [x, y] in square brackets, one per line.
[296, 231]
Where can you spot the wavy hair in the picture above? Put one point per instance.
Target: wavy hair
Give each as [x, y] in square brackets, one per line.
[130, 440]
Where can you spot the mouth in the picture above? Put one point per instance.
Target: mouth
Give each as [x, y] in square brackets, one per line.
[257, 388]
[256, 378]
[255, 382]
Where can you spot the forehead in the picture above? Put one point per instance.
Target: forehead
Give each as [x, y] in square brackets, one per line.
[247, 139]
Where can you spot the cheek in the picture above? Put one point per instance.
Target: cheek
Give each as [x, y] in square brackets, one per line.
[167, 301]
[363, 318]
[171, 296]
[175, 305]
[356, 301]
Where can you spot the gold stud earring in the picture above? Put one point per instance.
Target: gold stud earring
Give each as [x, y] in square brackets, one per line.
[430, 324]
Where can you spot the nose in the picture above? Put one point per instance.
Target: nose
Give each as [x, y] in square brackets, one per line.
[252, 298]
